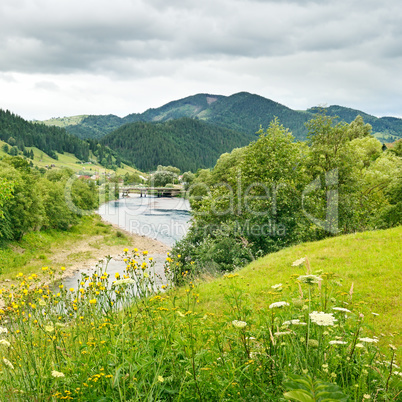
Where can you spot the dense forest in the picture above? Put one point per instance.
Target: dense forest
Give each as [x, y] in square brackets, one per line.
[276, 192]
[185, 143]
[20, 134]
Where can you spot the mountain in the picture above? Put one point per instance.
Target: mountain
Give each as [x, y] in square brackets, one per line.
[186, 143]
[386, 129]
[242, 112]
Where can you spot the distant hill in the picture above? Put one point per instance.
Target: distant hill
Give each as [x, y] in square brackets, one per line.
[186, 143]
[386, 129]
[21, 137]
[242, 112]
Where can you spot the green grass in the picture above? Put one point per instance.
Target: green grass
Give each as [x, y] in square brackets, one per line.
[67, 160]
[372, 261]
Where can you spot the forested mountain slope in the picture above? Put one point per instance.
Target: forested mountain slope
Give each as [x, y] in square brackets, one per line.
[185, 143]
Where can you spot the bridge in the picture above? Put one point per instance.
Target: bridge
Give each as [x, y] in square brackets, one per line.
[158, 191]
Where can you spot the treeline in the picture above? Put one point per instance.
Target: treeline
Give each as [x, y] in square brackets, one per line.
[276, 192]
[31, 201]
[48, 139]
[185, 143]
[20, 134]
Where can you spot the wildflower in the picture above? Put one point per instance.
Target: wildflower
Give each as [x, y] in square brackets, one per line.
[294, 322]
[282, 333]
[239, 324]
[92, 301]
[160, 378]
[359, 345]
[368, 340]
[8, 363]
[278, 304]
[337, 343]
[277, 286]
[322, 319]
[313, 343]
[3, 330]
[49, 328]
[57, 374]
[341, 309]
[299, 262]
[63, 268]
[4, 342]
[71, 289]
[180, 313]
[145, 252]
[392, 347]
[309, 279]
[125, 250]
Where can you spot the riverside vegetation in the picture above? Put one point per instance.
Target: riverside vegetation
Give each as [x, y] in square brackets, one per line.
[306, 338]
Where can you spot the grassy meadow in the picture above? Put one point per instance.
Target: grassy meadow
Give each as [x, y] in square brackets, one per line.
[67, 160]
[283, 328]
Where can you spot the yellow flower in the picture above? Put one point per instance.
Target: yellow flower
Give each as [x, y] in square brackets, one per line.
[125, 250]
[117, 275]
[160, 378]
[92, 301]
[63, 268]
[71, 289]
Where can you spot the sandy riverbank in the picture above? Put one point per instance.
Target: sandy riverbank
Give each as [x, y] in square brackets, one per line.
[87, 253]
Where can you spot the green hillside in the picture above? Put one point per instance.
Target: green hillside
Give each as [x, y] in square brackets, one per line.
[185, 143]
[370, 260]
[20, 137]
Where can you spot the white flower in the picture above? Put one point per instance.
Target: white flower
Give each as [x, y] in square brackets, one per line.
[337, 343]
[341, 309]
[123, 281]
[359, 345]
[277, 286]
[57, 374]
[309, 279]
[239, 324]
[322, 319]
[282, 333]
[298, 262]
[3, 330]
[8, 363]
[294, 322]
[278, 304]
[4, 342]
[368, 340]
[49, 328]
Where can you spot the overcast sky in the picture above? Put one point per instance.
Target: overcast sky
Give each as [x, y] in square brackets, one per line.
[63, 58]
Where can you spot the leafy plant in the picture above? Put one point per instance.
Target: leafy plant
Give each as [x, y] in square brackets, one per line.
[307, 389]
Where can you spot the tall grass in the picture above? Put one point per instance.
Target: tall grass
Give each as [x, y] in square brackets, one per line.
[126, 338]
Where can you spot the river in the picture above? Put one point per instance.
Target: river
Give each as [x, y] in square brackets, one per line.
[164, 219]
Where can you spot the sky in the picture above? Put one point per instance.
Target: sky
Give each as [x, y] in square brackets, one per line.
[64, 58]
